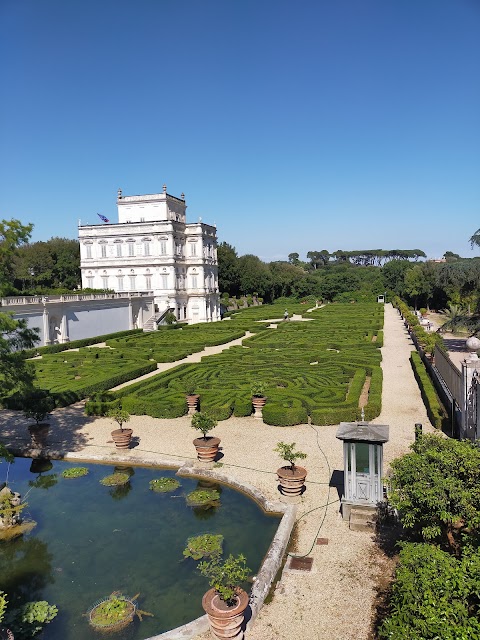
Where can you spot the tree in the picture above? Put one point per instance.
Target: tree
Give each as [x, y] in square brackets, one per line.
[16, 373]
[318, 258]
[48, 265]
[436, 490]
[416, 285]
[293, 258]
[475, 239]
[284, 278]
[12, 234]
[228, 269]
[255, 276]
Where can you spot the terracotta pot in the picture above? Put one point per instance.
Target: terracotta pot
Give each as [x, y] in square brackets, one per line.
[38, 434]
[258, 403]
[122, 437]
[192, 403]
[225, 621]
[207, 448]
[291, 482]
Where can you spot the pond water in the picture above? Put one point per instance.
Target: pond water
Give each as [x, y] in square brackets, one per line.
[91, 540]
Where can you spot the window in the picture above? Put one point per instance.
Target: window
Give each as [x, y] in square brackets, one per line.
[163, 247]
[194, 282]
[119, 250]
[88, 247]
[120, 285]
[103, 250]
[164, 279]
[146, 248]
[193, 249]
[104, 282]
[90, 283]
[131, 249]
[132, 283]
[148, 282]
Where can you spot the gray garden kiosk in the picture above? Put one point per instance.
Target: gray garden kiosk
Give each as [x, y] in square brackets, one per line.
[363, 464]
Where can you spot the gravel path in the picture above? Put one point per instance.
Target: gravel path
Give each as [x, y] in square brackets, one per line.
[334, 600]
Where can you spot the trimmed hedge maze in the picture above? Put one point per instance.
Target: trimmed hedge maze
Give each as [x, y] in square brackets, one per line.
[315, 369]
[71, 376]
[170, 345]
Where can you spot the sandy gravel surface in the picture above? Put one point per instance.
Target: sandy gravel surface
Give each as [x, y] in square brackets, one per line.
[334, 600]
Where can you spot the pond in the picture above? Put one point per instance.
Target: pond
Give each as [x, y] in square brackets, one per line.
[91, 540]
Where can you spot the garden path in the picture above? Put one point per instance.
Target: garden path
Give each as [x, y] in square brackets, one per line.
[335, 599]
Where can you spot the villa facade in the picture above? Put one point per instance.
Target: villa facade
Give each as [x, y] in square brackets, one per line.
[152, 249]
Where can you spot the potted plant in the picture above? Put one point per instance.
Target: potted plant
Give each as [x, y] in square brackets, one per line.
[121, 436]
[291, 477]
[226, 601]
[258, 398]
[191, 397]
[38, 407]
[206, 446]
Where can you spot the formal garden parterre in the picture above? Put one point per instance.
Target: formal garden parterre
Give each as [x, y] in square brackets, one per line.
[314, 369]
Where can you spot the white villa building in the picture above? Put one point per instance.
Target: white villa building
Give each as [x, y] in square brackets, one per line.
[152, 249]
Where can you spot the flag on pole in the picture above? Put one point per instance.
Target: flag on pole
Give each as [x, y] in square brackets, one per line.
[103, 218]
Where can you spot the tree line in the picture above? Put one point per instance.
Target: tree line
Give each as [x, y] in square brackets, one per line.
[32, 268]
[342, 277]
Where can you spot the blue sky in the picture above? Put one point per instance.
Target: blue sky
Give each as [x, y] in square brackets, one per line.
[294, 126]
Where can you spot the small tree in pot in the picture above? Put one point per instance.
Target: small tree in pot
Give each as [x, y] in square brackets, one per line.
[258, 398]
[191, 397]
[37, 406]
[291, 477]
[121, 436]
[226, 601]
[207, 446]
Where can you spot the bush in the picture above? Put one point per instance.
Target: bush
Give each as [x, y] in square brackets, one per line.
[279, 416]
[437, 414]
[434, 596]
[435, 490]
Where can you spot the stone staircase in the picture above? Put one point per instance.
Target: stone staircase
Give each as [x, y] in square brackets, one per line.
[362, 518]
[152, 323]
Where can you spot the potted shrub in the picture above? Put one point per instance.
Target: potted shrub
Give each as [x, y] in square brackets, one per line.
[191, 397]
[206, 446]
[121, 436]
[38, 407]
[258, 398]
[226, 601]
[291, 477]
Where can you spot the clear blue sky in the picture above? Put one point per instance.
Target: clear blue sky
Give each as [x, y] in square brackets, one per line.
[294, 126]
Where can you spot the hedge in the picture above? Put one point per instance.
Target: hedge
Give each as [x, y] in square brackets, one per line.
[76, 344]
[313, 368]
[436, 412]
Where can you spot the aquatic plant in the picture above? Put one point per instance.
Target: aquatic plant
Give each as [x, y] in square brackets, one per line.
[115, 479]
[162, 485]
[204, 545]
[74, 472]
[203, 498]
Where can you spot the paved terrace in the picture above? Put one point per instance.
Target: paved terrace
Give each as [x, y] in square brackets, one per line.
[335, 599]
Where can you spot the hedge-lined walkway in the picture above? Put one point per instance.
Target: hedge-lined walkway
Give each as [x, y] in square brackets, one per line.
[335, 599]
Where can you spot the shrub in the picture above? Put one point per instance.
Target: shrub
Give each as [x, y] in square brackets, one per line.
[436, 412]
[225, 576]
[435, 489]
[434, 595]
